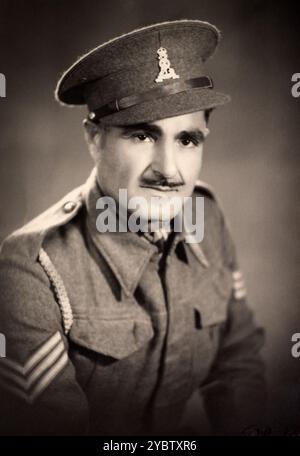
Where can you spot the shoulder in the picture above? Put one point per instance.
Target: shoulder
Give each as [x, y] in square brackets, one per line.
[27, 298]
[204, 189]
[213, 211]
[217, 240]
[27, 240]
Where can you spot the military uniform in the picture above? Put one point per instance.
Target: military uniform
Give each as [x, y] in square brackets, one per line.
[104, 338]
[106, 333]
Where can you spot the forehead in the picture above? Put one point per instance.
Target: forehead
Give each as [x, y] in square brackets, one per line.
[190, 121]
[186, 122]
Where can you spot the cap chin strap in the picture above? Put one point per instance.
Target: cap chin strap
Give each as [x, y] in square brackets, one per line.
[202, 82]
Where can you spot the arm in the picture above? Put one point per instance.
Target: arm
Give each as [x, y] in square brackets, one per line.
[234, 392]
[39, 393]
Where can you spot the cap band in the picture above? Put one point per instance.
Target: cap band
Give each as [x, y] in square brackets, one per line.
[204, 82]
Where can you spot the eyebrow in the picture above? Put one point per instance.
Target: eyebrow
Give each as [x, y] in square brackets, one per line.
[154, 129]
[149, 128]
[196, 134]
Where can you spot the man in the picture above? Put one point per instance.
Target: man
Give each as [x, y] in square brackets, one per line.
[110, 331]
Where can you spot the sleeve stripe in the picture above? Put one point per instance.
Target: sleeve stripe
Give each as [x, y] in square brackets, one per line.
[26, 383]
[49, 376]
[239, 289]
[30, 380]
[16, 391]
[35, 358]
[45, 349]
[22, 386]
[46, 363]
[240, 294]
[238, 285]
[237, 275]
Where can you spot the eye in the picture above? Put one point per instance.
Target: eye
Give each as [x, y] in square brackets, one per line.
[189, 141]
[141, 137]
[186, 141]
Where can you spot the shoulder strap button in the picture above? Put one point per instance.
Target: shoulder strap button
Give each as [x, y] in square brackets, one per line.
[69, 206]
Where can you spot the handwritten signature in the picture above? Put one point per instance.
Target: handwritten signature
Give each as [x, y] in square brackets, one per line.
[266, 431]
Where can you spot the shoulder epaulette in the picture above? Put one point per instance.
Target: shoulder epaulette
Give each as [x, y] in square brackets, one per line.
[28, 239]
[205, 189]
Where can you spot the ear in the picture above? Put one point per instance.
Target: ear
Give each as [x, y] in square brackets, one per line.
[92, 136]
[206, 132]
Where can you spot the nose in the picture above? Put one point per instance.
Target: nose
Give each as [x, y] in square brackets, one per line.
[164, 160]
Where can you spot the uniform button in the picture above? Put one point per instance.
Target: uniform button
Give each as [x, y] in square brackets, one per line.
[69, 206]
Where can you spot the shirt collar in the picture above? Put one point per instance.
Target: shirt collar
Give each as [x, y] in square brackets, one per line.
[127, 254]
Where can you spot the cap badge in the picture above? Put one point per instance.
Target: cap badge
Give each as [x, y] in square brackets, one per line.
[166, 72]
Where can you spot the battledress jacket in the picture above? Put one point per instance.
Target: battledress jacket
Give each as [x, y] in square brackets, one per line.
[102, 338]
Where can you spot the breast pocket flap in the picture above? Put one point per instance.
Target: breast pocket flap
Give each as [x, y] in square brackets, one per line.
[116, 338]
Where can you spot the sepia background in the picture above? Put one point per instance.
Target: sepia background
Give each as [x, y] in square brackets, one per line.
[251, 157]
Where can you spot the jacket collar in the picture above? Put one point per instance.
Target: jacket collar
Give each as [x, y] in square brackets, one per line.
[127, 254]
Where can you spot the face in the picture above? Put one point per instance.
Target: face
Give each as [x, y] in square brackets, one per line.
[156, 161]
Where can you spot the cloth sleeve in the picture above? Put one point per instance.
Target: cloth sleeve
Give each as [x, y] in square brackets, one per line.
[39, 392]
[234, 393]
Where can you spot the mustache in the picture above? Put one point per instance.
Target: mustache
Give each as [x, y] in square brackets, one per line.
[157, 179]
